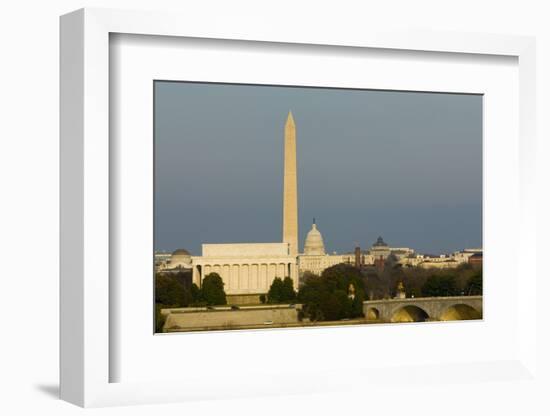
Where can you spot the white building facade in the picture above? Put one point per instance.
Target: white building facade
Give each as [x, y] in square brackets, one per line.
[314, 258]
[246, 268]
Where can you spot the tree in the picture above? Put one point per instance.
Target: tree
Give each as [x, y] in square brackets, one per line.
[334, 305]
[375, 286]
[281, 291]
[287, 291]
[475, 285]
[413, 280]
[312, 294]
[337, 294]
[275, 291]
[184, 277]
[195, 293]
[170, 292]
[440, 285]
[344, 277]
[307, 274]
[212, 292]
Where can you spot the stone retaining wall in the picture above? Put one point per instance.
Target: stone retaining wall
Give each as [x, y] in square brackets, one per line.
[228, 319]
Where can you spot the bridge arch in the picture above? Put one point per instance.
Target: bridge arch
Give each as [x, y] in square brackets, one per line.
[373, 314]
[410, 313]
[460, 312]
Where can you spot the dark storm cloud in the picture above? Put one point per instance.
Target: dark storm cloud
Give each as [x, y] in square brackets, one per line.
[407, 166]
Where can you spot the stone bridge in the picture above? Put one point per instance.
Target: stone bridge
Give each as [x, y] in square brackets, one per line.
[450, 308]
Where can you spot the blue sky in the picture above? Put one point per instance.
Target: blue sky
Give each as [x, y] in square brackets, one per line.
[404, 165]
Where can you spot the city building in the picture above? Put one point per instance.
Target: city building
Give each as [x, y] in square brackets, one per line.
[248, 269]
[443, 261]
[314, 259]
[476, 259]
[162, 258]
[380, 250]
[179, 260]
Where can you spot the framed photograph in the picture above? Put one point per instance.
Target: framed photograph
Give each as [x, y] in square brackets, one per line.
[409, 161]
[260, 206]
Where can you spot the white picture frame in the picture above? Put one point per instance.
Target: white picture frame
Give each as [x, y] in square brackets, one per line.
[85, 206]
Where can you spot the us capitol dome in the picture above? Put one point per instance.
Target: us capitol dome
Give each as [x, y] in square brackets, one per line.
[314, 258]
[314, 245]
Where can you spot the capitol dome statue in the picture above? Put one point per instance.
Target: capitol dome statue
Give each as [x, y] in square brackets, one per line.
[314, 245]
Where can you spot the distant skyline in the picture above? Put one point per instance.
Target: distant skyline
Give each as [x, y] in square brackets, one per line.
[403, 165]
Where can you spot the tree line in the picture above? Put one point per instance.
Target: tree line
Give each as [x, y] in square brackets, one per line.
[464, 280]
[337, 293]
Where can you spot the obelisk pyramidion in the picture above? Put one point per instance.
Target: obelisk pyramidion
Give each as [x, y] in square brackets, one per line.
[290, 188]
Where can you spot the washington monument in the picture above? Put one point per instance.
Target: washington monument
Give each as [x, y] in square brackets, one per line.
[248, 270]
[290, 192]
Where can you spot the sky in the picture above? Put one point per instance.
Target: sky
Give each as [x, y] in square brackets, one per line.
[406, 166]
